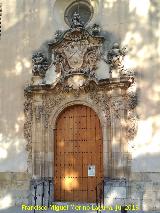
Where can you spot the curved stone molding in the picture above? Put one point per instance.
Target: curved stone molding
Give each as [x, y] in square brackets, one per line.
[52, 101]
[49, 103]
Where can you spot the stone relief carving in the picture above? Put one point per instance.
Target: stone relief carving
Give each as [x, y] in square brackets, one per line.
[76, 53]
[40, 64]
[76, 21]
[132, 94]
[116, 54]
[52, 101]
[76, 82]
[49, 104]
[38, 112]
[28, 112]
[132, 118]
[115, 58]
[117, 104]
[131, 124]
[58, 35]
[94, 30]
[103, 101]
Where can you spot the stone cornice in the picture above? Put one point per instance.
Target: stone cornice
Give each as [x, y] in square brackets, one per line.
[110, 83]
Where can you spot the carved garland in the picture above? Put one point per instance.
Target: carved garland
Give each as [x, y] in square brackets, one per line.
[103, 102]
[132, 117]
[28, 112]
[49, 104]
[52, 101]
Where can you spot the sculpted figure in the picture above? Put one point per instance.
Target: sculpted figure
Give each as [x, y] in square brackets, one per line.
[116, 57]
[76, 21]
[95, 30]
[40, 64]
[59, 62]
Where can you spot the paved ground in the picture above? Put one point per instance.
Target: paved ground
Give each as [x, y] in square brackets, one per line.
[19, 210]
[69, 208]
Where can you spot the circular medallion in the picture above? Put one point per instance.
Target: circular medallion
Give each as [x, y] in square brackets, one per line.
[83, 8]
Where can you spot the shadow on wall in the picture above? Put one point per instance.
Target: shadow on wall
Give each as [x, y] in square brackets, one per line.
[25, 27]
[132, 23]
[136, 24]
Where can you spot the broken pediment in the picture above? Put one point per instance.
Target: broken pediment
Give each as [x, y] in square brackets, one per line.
[77, 54]
[76, 51]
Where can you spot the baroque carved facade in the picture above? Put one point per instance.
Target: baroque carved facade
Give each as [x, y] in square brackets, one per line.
[74, 56]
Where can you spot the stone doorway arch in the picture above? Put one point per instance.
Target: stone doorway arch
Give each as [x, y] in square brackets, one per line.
[112, 98]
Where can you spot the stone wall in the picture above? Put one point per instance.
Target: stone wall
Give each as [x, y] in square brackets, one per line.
[14, 189]
[29, 25]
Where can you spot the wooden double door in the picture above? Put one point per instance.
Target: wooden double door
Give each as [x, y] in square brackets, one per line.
[78, 155]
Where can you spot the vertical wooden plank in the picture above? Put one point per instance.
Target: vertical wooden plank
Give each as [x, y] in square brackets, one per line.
[77, 139]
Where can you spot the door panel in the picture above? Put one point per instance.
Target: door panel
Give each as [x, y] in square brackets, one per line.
[78, 144]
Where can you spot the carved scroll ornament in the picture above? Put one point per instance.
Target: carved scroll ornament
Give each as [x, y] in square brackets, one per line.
[79, 52]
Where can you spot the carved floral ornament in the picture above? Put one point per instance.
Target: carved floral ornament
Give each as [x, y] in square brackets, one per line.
[28, 112]
[75, 54]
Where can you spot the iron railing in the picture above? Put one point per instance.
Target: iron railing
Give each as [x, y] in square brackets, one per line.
[45, 186]
[100, 195]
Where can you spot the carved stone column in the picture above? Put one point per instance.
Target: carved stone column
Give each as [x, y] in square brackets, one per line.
[37, 139]
[118, 112]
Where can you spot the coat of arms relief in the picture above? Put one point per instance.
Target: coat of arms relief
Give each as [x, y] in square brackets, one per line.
[76, 56]
[77, 52]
